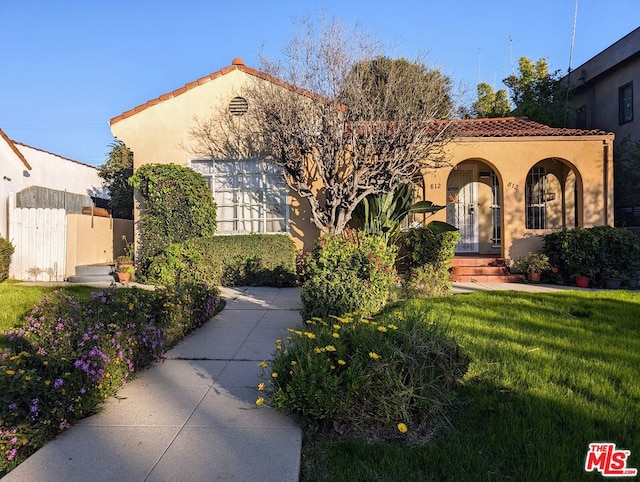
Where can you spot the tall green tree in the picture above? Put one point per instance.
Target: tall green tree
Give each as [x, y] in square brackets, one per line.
[490, 103]
[538, 94]
[116, 172]
[396, 88]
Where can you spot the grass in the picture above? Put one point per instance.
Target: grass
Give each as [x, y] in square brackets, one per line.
[550, 373]
[17, 301]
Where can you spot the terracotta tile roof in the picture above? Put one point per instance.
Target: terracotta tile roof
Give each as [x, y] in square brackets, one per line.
[236, 64]
[512, 127]
[13, 147]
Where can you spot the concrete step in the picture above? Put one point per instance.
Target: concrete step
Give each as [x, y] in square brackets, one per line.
[94, 270]
[477, 260]
[92, 278]
[511, 278]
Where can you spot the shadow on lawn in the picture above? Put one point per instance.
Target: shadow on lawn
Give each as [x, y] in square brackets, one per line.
[540, 389]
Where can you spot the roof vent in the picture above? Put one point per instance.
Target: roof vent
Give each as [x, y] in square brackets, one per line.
[238, 106]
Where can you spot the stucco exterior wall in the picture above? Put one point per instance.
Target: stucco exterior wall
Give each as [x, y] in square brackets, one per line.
[511, 159]
[161, 134]
[93, 240]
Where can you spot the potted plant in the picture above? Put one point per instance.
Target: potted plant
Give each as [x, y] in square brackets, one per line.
[533, 264]
[125, 273]
[612, 279]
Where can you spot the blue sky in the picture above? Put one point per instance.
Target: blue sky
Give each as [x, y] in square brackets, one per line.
[68, 66]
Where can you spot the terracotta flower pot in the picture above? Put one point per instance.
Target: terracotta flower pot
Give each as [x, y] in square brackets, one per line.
[582, 282]
[123, 277]
[533, 277]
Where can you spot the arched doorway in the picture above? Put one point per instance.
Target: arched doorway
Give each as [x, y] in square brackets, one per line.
[474, 197]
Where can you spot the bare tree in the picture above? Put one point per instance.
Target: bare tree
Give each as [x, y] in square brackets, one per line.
[341, 120]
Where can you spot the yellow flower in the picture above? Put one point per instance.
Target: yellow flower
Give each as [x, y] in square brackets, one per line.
[294, 363]
[402, 427]
[274, 374]
[259, 401]
[333, 367]
[263, 364]
[335, 335]
[47, 382]
[27, 378]
[10, 372]
[278, 341]
[130, 306]
[309, 335]
[261, 386]
[342, 362]
[391, 326]
[336, 327]
[318, 350]
[107, 375]
[383, 329]
[374, 355]
[330, 348]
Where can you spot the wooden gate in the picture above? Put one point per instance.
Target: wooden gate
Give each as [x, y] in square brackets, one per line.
[40, 239]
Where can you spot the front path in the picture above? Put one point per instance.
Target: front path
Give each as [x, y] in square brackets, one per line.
[192, 417]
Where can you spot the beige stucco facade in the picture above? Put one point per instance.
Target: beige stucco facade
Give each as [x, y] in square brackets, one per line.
[487, 177]
[579, 188]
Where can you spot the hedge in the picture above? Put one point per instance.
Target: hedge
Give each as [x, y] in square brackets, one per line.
[239, 260]
[6, 251]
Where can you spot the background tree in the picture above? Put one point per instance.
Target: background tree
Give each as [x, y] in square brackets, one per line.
[538, 94]
[116, 172]
[490, 103]
[345, 123]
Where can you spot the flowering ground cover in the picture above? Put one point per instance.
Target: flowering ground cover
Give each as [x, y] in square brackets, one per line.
[550, 373]
[73, 352]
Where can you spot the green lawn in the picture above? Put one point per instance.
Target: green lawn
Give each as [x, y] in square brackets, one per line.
[550, 373]
[17, 300]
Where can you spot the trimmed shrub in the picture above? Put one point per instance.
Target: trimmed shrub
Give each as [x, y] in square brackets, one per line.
[387, 378]
[595, 252]
[6, 251]
[177, 206]
[242, 260]
[429, 256]
[347, 273]
[72, 354]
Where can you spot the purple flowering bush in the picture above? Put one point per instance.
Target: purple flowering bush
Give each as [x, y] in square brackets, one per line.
[72, 354]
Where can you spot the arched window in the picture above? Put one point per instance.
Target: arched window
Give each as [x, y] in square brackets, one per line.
[536, 199]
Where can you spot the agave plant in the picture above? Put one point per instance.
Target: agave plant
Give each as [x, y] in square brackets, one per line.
[383, 214]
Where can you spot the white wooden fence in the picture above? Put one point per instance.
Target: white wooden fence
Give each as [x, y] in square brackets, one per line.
[39, 236]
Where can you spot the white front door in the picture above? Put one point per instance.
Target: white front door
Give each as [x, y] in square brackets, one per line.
[462, 209]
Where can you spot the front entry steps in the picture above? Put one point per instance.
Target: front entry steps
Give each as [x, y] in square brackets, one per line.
[93, 273]
[482, 269]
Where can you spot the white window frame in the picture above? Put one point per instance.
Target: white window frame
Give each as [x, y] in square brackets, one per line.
[246, 169]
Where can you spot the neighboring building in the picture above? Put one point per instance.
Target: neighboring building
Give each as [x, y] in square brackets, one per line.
[510, 181]
[43, 179]
[605, 90]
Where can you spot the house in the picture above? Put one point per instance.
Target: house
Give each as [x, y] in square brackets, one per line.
[42, 196]
[602, 89]
[509, 180]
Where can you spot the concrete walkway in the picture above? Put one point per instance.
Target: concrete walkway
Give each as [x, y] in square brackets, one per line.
[192, 417]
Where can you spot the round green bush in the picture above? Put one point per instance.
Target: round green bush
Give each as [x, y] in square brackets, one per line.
[369, 377]
[346, 273]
